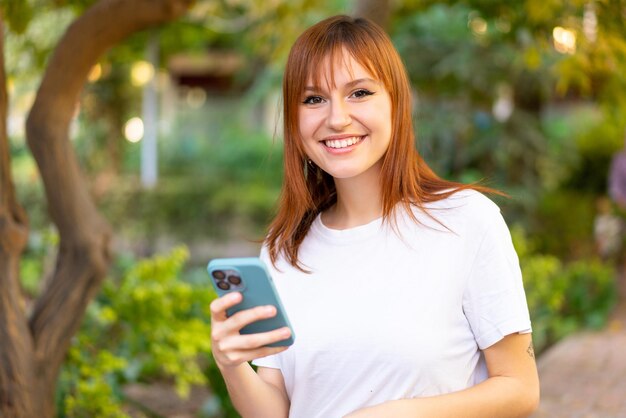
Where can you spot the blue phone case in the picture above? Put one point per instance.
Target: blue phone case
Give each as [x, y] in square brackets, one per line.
[255, 284]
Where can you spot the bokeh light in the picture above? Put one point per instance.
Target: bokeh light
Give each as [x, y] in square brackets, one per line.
[478, 25]
[95, 73]
[133, 130]
[141, 73]
[196, 97]
[564, 40]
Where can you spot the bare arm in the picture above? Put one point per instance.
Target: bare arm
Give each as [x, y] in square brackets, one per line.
[512, 389]
[252, 394]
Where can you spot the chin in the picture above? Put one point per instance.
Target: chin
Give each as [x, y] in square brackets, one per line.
[348, 171]
[344, 174]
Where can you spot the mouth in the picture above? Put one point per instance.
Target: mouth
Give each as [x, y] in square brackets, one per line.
[343, 142]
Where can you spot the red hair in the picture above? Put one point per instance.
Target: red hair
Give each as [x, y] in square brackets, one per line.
[307, 190]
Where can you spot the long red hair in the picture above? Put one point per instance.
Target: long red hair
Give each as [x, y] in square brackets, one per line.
[307, 190]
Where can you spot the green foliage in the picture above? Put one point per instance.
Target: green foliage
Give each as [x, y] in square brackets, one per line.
[563, 223]
[149, 325]
[37, 259]
[464, 59]
[38, 26]
[164, 318]
[602, 138]
[563, 298]
[591, 293]
[595, 144]
[17, 13]
[210, 184]
[88, 383]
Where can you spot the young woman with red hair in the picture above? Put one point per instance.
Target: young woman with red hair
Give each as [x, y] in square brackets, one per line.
[404, 289]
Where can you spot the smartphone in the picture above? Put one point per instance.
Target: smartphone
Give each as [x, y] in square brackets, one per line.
[250, 277]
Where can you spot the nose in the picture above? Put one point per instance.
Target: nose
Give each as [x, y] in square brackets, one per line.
[339, 115]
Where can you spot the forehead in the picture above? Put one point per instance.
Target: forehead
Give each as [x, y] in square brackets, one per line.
[338, 65]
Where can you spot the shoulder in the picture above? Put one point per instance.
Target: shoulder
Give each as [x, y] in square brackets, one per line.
[468, 199]
[465, 216]
[465, 207]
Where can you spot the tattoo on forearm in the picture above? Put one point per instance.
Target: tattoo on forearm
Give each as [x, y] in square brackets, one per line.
[530, 350]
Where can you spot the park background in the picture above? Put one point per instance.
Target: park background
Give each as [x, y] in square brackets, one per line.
[172, 110]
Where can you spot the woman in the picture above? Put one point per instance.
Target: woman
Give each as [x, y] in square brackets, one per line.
[404, 289]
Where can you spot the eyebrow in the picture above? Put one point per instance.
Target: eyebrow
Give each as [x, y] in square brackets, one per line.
[349, 84]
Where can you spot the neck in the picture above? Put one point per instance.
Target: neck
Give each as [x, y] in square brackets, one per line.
[358, 201]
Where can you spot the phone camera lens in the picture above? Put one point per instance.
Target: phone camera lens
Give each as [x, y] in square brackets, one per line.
[219, 274]
[236, 280]
[223, 285]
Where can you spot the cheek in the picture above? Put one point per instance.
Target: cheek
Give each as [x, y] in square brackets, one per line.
[380, 121]
[307, 124]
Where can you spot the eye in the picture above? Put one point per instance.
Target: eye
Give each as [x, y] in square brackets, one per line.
[360, 93]
[313, 100]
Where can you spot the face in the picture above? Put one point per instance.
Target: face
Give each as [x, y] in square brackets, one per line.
[345, 128]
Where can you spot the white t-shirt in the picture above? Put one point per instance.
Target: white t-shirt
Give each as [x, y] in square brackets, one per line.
[386, 316]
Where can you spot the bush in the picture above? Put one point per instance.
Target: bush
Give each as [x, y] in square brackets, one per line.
[149, 325]
[563, 298]
[563, 224]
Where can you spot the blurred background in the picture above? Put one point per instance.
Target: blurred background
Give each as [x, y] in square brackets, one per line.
[178, 134]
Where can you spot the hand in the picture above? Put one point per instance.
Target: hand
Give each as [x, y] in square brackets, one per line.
[230, 349]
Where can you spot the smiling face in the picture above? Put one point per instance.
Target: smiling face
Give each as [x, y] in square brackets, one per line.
[345, 122]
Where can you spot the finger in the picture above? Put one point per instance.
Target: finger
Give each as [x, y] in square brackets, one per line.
[248, 316]
[219, 305]
[267, 351]
[226, 334]
[254, 341]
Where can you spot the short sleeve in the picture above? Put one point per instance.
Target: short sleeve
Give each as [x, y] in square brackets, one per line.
[494, 300]
[271, 362]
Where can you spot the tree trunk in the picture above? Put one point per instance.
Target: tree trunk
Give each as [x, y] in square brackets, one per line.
[375, 10]
[31, 352]
[16, 343]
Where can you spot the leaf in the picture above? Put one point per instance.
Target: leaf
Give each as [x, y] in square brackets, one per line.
[17, 14]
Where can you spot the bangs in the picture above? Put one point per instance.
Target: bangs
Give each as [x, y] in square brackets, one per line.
[321, 69]
[317, 53]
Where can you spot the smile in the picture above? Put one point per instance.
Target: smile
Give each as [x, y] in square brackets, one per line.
[343, 143]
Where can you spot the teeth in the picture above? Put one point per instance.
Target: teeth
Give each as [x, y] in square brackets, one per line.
[342, 143]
